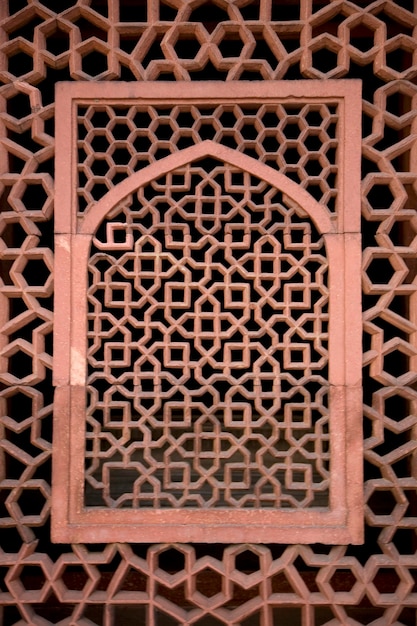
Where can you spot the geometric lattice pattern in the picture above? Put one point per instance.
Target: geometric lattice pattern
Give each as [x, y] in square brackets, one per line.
[209, 348]
[43, 42]
[297, 139]
[210, 369]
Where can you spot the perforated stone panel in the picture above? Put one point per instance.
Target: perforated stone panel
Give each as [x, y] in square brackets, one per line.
[211, 364]
[43, 42]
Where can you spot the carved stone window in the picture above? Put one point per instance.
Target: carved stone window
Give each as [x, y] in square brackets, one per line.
[208, 317]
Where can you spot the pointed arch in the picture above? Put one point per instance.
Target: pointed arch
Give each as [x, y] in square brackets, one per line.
[317, 212]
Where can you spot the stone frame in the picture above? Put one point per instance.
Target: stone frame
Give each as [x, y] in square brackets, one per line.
[343, 521]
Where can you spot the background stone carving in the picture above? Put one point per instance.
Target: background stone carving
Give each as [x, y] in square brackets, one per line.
[195, 584]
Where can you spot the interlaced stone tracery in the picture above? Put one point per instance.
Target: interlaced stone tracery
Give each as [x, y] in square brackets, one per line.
[216, 371]
[46, 41]
[208, 347]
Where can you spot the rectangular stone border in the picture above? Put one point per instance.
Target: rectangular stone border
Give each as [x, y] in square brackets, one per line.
[342, 523]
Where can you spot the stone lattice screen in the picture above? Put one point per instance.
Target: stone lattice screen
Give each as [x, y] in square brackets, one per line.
[216, 584]
[211, 363]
